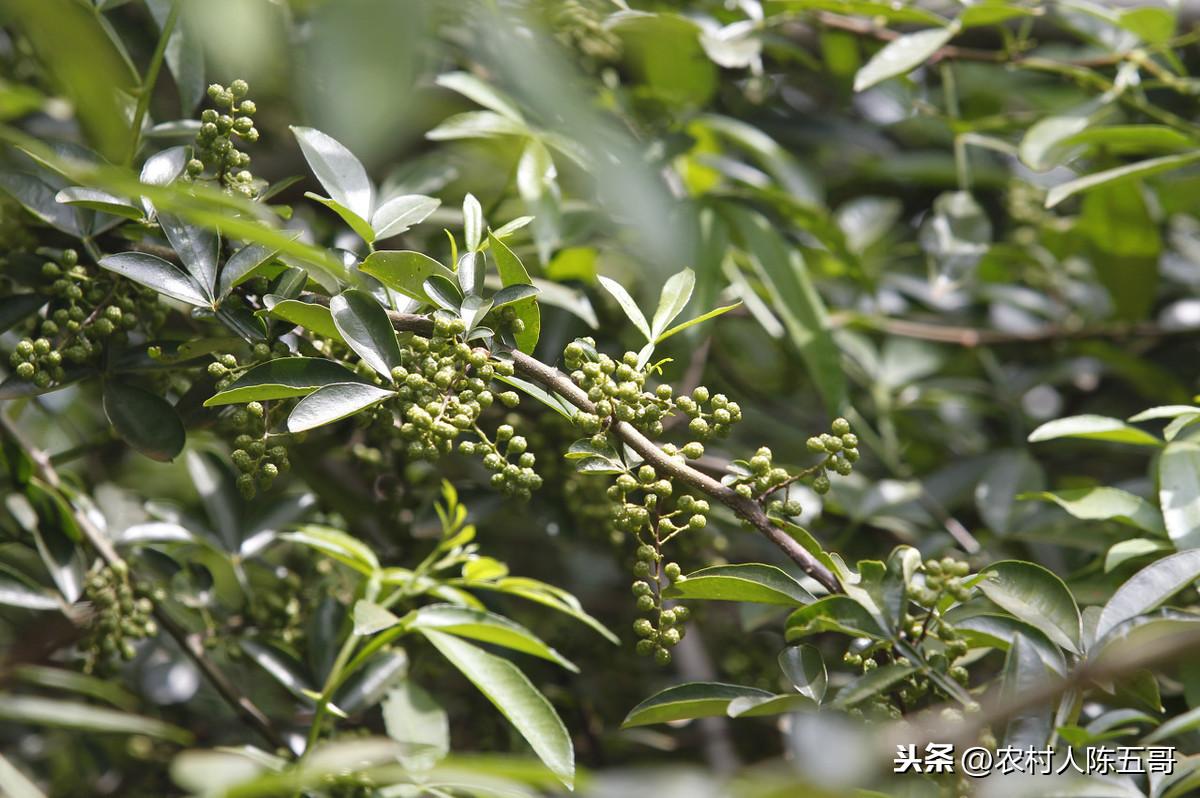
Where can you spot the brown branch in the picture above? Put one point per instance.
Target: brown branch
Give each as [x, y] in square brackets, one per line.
[747, 508]
[192, 644]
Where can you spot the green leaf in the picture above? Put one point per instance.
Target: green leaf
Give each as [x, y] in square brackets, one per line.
[892, 12]
[676, 294]
[1151, 25]
[334, 543]
[1124, 550]
[144, 420]
[833, 614]
[470, 271]
[992, 12]
[415, 720]
[480, 92]
[473, 309]
[96, 200]
[871, 683]
[37, 711]
[763, 706]
[517, 699]
[1024, 672]
[548, 596]
[15, 784]
[284, 378]
[485, 627]
[197, 247]
[1124, 245]
[342, 175]
[241, 265]
[18, 307]
[1179, 493]
[902, 55]
[805, 669]
[1149, 588]
[513, 293]
[689, 701]
[370, 618]
[1106, 504]
[1042, 143]
[550, 400]
[1179, 724]
[361, 227]
[442, 292]
[153, 272]
[38, 198]
[1036, 596]
[627, 304]
[512, 272]
[399, 214]
[678, 328]
[282, 667]
[1118, 174]
[763, 584]
[365, 326]
[1092, 427]
[796, 299]
[476, 125]
[331, 403]
[472, 222]
[308, 315]
[404, 271]
[15, 594]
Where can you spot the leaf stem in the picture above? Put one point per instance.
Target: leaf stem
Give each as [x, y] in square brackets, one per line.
[148, 83]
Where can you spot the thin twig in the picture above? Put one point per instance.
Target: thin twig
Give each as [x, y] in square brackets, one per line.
[147, 89]
[192, 644]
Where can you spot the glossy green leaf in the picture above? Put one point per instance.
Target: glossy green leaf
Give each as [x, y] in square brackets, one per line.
[370, 618]
[1037, 597]
[241, 265]
[1091, 427]
[512, 272]
[154, 272]
[15, 594]
[1124, 550]
[833, 613]
[764, 706]
[308, 315]
[18, 307]
[902, 55]
[478, 91]
[361, 227]
[96, 200]
[473, 309]
[1106, 504]
[442, 292]
[678, 328]
[871, 683]
[284, 378]
[476, 124]
[1179, 492]
[196, 247]
[755, 582]
[485, 627]
[1024, 673]
[144, 420]
[513, 293]
[342, 175]
[415, 720]
[399, 214]
[1149, 588]
[548, 596]
[331, 403]
[517, 699]
[404, 271]
[334, 543]
[472, 222]
[689, 701]
[365, 326]
[632, 312]
[1180, 724]
[36, 711]
[15, 784]
[1147, 168]
[805, 669]
[37, 197]
[676, 294]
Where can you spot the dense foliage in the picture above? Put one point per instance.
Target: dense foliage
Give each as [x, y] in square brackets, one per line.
[785, 363]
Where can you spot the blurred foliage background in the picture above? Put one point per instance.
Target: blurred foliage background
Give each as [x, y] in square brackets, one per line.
[993, 228]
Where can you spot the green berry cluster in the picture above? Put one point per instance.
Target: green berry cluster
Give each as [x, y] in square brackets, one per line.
[121, 617]
[582, 25]
[841, 446]
[643, 504]
[215, 155]
[711, 414]
[87, 310]
[665, 626]
[512, 468]
[258, 459]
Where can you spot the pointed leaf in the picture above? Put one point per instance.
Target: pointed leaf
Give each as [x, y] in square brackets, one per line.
[365, 326]
[37, 197]
[902, 55]
[805, 669]
[482, 93]
[485, 627]
[284, 378]
[156, 273]
[1179, 493]
[334, 402]
[1102, 503]
[1092, 427]
[415, 720]
[96, 200]
[627, 304]
[443, 293]
[764, 706]
[689, 701]
[342, 175]
[240, 265]
[512, 272]
[763, 584]
[334, 543]
[1146, 168]
[472, 222]
[678, 328]
[308, 315]
[473, 309]
[674, 298]
[144, 420]
[36, 711]
[404, 271]
[470, 272]
[517, 699]
[1149, 588]
[196, 247]
[370, 618]
[1036, 596]
[361, 227]
[399, 214]
[513, 293]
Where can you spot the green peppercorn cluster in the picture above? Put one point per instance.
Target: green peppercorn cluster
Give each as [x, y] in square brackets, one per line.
[665, 626]
[87, 310]
[121, 617]
[257, 458]
[923, 626]
[581, 24]
[215, 155]
[842, 447]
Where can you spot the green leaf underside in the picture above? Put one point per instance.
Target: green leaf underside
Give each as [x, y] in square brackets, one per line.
[689, 701]
[1036, 596]
[331, 403]
[282, 379]
[753, 582]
